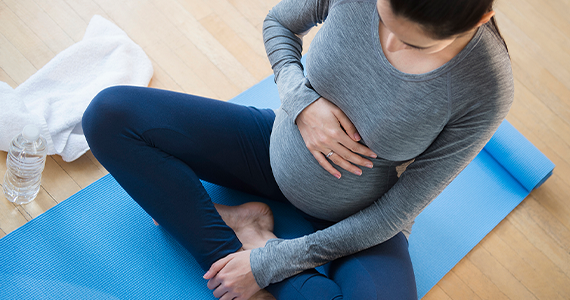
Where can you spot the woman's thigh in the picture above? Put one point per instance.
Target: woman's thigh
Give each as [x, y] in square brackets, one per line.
[223, 143]
[159, 144]
[382, 272]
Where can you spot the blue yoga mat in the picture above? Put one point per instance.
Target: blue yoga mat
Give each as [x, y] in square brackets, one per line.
[99, 244]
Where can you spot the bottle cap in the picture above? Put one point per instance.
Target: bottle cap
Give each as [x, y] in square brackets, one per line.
[31, 132]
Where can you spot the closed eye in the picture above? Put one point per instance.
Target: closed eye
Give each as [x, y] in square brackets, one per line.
[415, 47]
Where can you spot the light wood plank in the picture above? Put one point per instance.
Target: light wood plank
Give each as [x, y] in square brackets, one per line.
[477, 281]
[86, 9]
[94, 160]
[539, 28]
[498, 274]
[525, 274]
[199, 63]
[82, 170]
[553, 195]
[546, 268]
[537, 125]
[257, 65]
[252, 9]
[14, 64]
[41, 204]
[57, 182]
[199, 9]
[541, 112]
[436, 293]
[558, 19]
[65, 17]
[541, 239]
[239, 24]
[7, 79]
[530, 208]
[23, 38]
[162, 80]
[535, 76]
[204, 41]
[10, 217]
[453, 286]
[184, 77]
[41, 24]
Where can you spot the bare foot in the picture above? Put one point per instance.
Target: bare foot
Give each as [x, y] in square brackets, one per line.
[252, 222]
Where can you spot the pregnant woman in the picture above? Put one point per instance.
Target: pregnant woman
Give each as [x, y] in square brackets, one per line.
[387, 82]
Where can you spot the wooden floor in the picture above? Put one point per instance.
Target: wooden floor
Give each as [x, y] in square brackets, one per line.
[214, 48]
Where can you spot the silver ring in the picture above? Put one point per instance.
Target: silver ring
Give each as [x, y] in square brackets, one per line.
[330, 153]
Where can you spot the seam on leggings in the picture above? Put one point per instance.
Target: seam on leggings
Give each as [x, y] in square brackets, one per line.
[298, 291]
[369, 275]
[301, 294]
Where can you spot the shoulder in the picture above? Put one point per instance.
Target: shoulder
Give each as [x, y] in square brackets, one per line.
[484, 78]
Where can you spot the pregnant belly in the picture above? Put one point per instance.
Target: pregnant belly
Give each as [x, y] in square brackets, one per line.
[312, 189]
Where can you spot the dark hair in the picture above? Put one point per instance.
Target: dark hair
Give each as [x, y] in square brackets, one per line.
[445, 18]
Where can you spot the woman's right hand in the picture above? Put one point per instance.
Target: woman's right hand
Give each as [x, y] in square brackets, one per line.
[325, 129]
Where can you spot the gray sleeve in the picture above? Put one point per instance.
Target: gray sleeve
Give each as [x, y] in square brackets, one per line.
[460, 141]
[282, 28]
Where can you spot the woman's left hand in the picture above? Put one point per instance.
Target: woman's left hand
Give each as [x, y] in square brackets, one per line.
[231, 277]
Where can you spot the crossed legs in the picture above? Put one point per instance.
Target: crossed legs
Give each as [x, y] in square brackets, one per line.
[159, 145]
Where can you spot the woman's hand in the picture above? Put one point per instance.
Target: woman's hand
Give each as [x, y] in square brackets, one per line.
[231, 277]
[328, 133]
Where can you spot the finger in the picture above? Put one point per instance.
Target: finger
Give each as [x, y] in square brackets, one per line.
[155, 223]
[352, 133]
[214, 283]
[340, 161]
[216, 267]
[348, 150]
[320, 157]
[347, 125]
[222, 293]
[227, 296]
[357, 147]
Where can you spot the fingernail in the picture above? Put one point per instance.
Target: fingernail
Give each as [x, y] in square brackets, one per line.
[369, 165]
[206, 275]
[359, 172]
[373, 155]
[357, 136]
[337, 176]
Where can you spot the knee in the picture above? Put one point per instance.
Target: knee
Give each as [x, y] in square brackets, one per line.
[104, 114]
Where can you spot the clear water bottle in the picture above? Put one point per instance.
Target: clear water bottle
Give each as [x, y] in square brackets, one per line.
[25, 163]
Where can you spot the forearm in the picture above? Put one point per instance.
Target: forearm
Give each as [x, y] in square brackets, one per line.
[281, 34]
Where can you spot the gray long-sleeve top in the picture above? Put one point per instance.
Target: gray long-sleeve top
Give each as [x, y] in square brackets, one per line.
[442, 118]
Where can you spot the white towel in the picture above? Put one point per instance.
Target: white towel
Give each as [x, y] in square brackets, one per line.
[56, 96]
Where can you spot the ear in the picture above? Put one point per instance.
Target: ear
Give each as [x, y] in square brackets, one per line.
[485, 18]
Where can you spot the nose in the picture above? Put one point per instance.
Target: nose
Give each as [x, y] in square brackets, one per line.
[393, 44]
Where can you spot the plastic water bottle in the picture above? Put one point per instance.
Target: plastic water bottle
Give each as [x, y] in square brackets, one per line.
[25, 163]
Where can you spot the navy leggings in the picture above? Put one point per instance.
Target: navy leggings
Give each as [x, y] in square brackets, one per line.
[158, 144]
